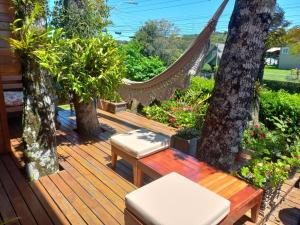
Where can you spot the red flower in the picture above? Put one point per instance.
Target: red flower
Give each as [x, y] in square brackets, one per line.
[257, 126]
[253, 134]
[263, 136]
[298, 156]
[172, 120]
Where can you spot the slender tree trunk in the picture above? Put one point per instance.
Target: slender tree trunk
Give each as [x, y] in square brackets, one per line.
[86, 117]
[228, 111]
[38, 122]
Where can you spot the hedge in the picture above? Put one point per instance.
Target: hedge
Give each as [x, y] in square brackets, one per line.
[290, 87]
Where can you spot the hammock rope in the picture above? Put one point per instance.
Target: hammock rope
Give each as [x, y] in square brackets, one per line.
[178, 75]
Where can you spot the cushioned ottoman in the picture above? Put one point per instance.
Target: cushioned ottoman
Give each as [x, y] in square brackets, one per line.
[135, 145]
[174, 200]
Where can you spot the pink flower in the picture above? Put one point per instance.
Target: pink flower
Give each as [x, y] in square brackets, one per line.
[253, 134]
[257, 126]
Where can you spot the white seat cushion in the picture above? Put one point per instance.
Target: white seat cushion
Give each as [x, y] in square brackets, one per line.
[13, 98]
[140, 143]
[176, 200]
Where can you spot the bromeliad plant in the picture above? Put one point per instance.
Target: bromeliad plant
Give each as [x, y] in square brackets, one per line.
[86, 69]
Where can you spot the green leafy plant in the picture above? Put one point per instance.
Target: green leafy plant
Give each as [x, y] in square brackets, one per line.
[188, 133]
[263, 143]
[139, 67]
[281, 110]
[87, 67]
[186, 109]
[265, 174]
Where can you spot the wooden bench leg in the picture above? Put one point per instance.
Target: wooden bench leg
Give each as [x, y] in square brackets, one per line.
[255, 210]
[137, 175]
[114, 158]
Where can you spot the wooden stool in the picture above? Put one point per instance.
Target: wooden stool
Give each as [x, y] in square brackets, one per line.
[135, 145]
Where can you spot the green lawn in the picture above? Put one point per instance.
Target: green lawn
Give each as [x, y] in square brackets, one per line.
[272, 73]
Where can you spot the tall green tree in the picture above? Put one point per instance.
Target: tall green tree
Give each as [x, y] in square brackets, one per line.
[140, 67]
[91, 68]
[276, 35]
[30, 37]
[81, 18]
[159, 38]
[293, 39]
[228, 112]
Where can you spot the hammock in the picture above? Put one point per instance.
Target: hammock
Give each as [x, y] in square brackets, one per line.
[178, 75]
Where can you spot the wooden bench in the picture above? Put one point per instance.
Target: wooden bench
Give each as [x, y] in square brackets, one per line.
[12, 84]
[243, 197]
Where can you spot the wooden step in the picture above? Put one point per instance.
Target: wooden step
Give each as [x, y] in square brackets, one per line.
[6, 17]
[4, 33]
[3, 44]
[4, 26]
[6, 8]
[10, 69]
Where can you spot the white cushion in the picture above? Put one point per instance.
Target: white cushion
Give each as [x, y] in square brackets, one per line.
[13, 98]
[176, 200]
[140, 143]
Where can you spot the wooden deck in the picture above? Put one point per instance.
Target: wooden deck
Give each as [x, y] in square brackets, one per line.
[86, 191]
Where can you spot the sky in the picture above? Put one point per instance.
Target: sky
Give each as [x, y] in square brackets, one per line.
[189, 16]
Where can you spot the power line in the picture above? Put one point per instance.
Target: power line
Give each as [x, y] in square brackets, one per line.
[167, 7]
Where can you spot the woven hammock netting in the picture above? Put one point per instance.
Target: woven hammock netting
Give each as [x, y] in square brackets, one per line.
[178, 75]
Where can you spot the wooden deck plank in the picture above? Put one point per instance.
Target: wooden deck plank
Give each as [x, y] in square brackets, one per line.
[90, 187]
[88, 199]
[31, 200]
[93, 167]
[110, 194]
[83, 210]
[52, 209]
[102, 145]
[6, 209]
[67, 209]
[15, 197]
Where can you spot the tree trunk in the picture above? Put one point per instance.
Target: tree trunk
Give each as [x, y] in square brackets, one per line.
[86, 117]
[228, 111]
[38, 122]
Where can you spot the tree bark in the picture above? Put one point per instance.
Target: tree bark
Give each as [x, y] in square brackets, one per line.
[228, 111]
[86, 117]
[38, 122]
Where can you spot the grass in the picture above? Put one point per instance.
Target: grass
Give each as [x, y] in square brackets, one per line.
[273, 73]
[64, 107]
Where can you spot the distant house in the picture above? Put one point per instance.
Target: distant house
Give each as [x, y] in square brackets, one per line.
[287, 60]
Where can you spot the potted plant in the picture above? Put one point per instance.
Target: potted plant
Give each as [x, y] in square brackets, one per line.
[186, 140]
[112, 104]
[266, 175]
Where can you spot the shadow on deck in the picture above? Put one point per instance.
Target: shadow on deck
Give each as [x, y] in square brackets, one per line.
[86, 190]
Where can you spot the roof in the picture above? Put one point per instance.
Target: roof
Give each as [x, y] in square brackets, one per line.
[275, 49]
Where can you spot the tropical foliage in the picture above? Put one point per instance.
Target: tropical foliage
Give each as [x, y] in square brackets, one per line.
[87, 67]
[140, 67]
[84, 18]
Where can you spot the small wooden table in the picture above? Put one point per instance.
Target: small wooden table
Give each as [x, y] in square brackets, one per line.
[242, 196]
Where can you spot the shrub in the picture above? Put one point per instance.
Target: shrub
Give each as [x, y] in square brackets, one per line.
[281, 110]
[186, 109]
[139, 67]
[265, 174]
[275, 85]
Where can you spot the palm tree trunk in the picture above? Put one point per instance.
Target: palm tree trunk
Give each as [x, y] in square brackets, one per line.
[228, 111]
[38, 122]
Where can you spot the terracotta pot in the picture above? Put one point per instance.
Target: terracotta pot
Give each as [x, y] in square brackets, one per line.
[187, 146]
[112, 107]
